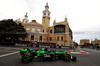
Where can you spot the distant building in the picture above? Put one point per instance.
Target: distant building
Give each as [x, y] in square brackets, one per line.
[96, 41]
[83, 41]
[58, 34]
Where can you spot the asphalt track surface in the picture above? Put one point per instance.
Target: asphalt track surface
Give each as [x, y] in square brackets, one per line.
[9, 56]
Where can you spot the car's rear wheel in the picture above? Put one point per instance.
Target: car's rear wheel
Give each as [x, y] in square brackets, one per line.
[67, 57]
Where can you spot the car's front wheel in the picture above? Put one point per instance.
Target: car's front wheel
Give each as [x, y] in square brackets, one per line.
[74, 58]
[26, 58]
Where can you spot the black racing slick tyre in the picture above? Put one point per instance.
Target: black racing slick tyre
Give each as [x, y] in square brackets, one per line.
[67, 57]
[74, 58]
[26, 58]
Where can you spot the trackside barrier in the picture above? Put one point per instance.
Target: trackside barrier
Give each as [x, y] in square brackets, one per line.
[57, 46]
[64, 47]
[34, 45]
[20, 44]
[44, 46]
[52, 46]
[29, 45]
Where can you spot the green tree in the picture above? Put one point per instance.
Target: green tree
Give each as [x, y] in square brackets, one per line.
[10, 29]
[75, 44]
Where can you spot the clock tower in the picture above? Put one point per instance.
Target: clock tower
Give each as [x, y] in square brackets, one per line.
[46, 19]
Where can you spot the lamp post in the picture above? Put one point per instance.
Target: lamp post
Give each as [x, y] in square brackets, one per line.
[64, 39]
[30, 38]
[74, 46]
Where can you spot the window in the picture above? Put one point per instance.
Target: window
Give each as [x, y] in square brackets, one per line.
[47, 38]
[38, 29]
[32, 37]
[50, 30]
[40, 38]
[27, 28]
[50, 38]
[61, 38]
[61, 44]
[44, 13]
[59, 29]
[43, 30]
[33, 29]
[57, 38]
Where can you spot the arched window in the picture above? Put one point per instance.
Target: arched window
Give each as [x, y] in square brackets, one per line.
[32, 37]
[38, 29]
[61, 44]
[43, 30]
[50, 38]
[62, 38]
[57, 38]
[50, 30]
[27, 28]
[33, 29]
[41, 38]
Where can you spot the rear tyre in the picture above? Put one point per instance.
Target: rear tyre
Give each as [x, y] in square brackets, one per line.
[67, 57]
[26, 58]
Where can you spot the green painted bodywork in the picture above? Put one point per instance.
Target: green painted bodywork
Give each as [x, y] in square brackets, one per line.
[23, 51]
[40, 52]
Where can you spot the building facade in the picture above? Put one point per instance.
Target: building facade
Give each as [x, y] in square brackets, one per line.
[83, 41]
[96, 41]
[58, 34]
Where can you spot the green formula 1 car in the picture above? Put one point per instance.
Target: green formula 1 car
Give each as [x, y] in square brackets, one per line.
[45, 54]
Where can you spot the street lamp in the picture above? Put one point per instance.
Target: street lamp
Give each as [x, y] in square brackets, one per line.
[74, 46]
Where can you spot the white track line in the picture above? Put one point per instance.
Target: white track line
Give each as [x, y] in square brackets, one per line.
[9, 54]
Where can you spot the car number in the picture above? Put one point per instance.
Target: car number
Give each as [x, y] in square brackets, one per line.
[45, 55]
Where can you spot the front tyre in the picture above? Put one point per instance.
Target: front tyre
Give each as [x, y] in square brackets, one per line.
[26, 58]
[74, 58]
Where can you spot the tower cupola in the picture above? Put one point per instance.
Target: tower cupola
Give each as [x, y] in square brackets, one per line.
[25, 20]
[46, 7]
[46, 12]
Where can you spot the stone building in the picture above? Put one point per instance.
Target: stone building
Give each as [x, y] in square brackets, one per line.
[83, 41]
[96, 41]
[58, 34]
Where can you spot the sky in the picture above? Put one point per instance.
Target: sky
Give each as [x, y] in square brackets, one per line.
[82, 15]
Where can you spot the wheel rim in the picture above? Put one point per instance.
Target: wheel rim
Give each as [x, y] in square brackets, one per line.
[68, 57]
[25, 57]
